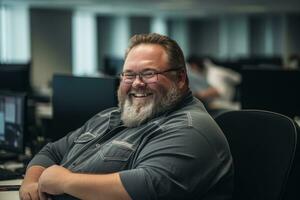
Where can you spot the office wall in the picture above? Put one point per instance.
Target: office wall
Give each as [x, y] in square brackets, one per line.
[229, 36]
[178, 29]
[235, 36]
[103, 33]
[278, 34]
[235, 31]
[14, 34]
[113, 32]
[257, 35]
[293, 29]
[84, 44]
[139, 24]
[50, 44]
[266, 35]
[204, 36]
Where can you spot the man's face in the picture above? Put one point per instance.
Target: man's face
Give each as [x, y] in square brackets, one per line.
[140, 101]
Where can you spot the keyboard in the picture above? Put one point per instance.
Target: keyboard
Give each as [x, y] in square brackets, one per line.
[6, 174]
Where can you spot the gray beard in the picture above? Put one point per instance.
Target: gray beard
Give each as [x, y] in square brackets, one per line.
[134, 114]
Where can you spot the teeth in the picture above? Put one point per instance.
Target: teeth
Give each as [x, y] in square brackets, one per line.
[140, 95]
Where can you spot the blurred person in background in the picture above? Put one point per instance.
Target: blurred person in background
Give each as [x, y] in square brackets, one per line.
[225, 80]
[214, 85]
[199, 85]
[293, 62]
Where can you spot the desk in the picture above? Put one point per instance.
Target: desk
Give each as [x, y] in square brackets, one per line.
[10, 195]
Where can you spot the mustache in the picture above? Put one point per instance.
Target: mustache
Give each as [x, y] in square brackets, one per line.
[132, 91]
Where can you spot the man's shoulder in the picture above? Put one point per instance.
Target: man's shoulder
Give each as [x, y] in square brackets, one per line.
[190, 115]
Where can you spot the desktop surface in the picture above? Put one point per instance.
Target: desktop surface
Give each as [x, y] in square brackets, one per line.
[8, 194]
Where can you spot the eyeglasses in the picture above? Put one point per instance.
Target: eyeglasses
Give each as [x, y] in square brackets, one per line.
[149, 76]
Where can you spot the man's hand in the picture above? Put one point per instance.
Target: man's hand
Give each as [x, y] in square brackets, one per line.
[57, 180]
[29, 191]
[29, 188]
[52, 181]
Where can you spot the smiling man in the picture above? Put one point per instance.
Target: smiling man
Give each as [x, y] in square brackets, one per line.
[160, 143]
[149, 94]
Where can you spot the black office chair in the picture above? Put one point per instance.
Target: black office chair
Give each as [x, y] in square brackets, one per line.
[263, 146]
[293, 190]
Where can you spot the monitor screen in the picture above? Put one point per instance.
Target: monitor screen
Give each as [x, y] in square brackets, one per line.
[273, 90]
[77, 99]
[15, 77]
[12, 121]
[113, 65]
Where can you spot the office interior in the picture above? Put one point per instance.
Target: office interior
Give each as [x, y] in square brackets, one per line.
[82, 43]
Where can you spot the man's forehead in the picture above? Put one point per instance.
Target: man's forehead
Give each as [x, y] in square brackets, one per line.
[146, 55]
[147, 49]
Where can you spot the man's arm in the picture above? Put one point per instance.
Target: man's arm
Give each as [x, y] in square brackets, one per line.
[29, 187]
[49, 155]
[57, 180]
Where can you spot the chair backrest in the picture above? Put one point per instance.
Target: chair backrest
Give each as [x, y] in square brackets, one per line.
[263, 146]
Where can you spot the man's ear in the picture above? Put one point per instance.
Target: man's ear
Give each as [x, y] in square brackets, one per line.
[181, 78]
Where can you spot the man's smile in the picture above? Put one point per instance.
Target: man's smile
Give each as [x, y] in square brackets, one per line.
[140, 95]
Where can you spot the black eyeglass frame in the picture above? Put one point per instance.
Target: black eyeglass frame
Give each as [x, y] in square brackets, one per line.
[142, 75]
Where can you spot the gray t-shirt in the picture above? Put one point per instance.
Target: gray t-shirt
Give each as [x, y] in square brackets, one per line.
[180, 154]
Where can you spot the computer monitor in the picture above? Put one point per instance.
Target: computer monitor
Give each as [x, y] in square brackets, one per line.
[113, 65]
[273, 90]
[77, 99]
[15, 77]
[12, 122]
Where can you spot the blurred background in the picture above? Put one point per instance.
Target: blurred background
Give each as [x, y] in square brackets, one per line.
[89, 37]
[249, 52]
[59, 59]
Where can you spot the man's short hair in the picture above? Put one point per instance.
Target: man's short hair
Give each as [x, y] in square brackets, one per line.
[174, 52]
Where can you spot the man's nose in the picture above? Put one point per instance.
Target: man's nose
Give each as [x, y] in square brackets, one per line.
[138, 82]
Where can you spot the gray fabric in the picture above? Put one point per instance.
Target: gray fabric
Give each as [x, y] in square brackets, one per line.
[181, 154]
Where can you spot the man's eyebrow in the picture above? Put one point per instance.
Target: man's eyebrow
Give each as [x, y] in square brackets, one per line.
[144, 70]
[128, 70]
[153, 69]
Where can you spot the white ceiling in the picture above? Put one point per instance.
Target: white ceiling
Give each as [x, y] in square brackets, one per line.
[169, 7]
